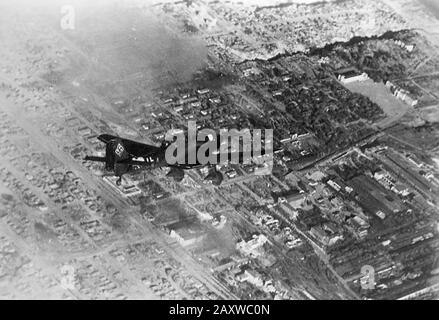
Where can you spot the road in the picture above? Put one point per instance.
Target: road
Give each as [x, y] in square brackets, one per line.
[48, 144]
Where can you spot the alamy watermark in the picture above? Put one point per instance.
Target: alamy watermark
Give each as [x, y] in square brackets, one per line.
[68, 17]
[367, 281]
[210, 147]
[67, 277]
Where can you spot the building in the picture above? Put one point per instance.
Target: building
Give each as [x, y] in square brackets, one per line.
[185, 235]
[401, 94]
[350, 77]
[326, 234]
[251, 276]
[253, 247]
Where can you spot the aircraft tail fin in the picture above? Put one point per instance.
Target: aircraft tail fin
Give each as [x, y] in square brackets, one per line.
[115, 152]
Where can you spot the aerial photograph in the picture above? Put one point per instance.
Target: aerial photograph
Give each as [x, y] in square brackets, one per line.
[219, 150]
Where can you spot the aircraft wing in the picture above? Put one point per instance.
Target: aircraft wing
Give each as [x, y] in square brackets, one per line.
[125, 161]
[134, 148]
